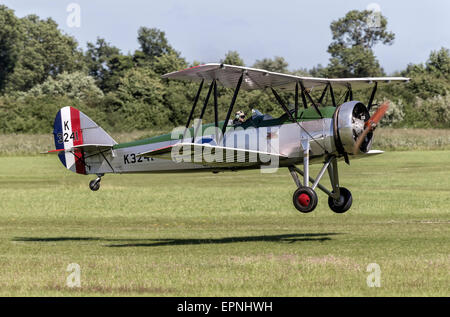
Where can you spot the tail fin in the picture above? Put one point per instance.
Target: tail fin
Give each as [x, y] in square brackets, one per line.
[73, 129]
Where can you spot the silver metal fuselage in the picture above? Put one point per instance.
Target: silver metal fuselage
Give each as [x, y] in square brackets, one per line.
[285, 139]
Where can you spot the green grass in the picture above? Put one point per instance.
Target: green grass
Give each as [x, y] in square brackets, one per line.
[230, 234]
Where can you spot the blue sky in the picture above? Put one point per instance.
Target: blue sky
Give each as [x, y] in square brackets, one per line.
[205, 30]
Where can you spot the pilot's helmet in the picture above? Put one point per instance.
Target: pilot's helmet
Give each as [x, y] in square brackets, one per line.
[240, 114]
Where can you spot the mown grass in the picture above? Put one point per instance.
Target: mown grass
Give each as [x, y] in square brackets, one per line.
[230, 234]
[412, 139]
[385, 139]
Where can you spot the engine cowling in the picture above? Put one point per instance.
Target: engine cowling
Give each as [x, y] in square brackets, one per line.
[348, 124]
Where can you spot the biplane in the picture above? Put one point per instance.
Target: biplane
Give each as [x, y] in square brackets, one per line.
[310, 131]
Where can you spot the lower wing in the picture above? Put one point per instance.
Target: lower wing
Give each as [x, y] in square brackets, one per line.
[214, 156]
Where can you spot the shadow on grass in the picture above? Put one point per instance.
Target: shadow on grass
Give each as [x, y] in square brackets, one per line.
[284, 238]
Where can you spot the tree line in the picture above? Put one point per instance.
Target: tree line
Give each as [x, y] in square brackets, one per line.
[43, 69]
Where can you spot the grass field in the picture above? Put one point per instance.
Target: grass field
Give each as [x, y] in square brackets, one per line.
[230, 234]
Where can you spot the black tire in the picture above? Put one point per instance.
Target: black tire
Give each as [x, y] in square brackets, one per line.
[344, 203]
[305, 199]
[94, 185]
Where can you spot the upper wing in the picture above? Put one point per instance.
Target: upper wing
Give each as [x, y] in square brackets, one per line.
[214, 156]
[228, 76]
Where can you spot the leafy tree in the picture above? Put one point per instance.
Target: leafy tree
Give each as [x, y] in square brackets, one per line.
[233, 58]
[425, 85]
[354, 30]
[142, 84]
[117, 66]
[153, 42]
[351, 48]
[42, 50]
[178, 99]
[156, 52]
[278, 64]
[168, 63]
[301, 72]
[439, 63]
[9, 35]
[357, 61]
[319, 71]
[97, 56]
[141, 94]
[429, 79]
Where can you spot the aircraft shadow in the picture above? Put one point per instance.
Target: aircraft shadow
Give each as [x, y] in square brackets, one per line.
[284, 238]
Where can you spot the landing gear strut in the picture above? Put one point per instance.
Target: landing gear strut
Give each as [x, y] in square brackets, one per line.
[305, 198]
[94, 184]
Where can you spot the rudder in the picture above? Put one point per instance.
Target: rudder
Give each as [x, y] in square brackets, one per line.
[73, 128]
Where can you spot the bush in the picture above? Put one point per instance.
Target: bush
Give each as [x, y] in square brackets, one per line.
[394, 115]
[435, 111]
[36, 114]
[75, 85]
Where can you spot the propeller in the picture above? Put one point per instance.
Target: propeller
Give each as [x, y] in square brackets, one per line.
[370, 125]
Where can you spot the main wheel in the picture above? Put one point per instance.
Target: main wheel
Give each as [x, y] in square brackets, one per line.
[305, 199]
[343, 204]
[94, 185]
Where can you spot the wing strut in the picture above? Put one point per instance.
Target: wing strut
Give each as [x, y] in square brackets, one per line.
[281, 103]
[289, 114]
[311, 100]
[332, 96]
[203, 109]
[193, 107]
[323, 93]
[296, 101]
[349, 94]
[374, 90]
[233, 101]
[216, 111]
[305, 104]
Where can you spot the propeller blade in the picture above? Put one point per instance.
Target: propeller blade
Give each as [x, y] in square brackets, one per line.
[370, 125]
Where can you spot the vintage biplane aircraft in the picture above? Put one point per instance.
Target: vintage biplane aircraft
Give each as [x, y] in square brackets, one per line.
[311, 131]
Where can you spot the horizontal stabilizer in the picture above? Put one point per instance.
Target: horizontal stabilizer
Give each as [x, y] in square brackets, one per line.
[85, 147]
[57, 151]
[93, 147]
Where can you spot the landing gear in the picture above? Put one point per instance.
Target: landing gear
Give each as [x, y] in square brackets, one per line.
[305, 198]
[342, 204]
[94, 184]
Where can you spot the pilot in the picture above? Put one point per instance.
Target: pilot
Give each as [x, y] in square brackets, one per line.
[239, 118]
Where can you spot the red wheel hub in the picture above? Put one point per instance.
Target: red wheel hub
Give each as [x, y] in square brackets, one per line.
[304, 200]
